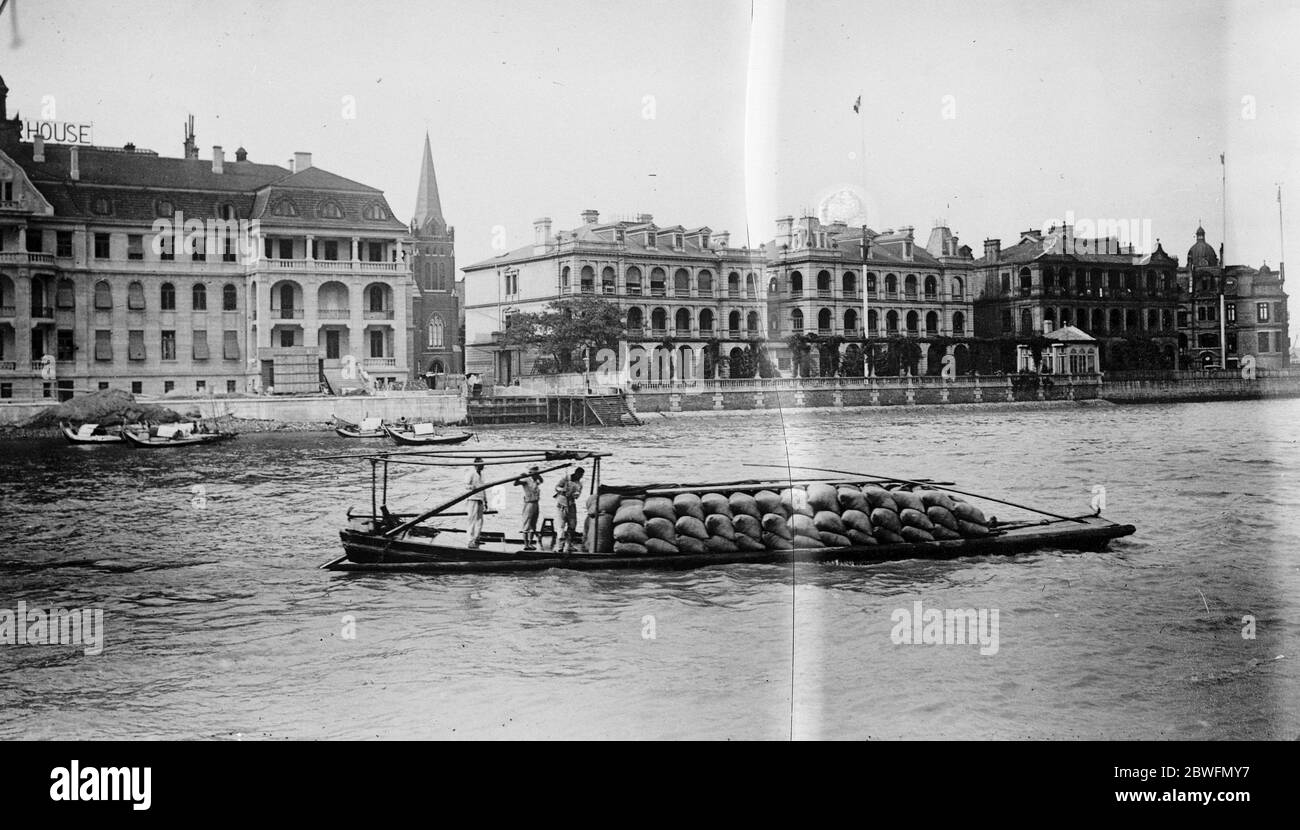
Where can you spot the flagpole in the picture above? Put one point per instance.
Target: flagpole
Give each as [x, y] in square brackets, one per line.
[1281, 238]
[1223, 267]
[862, 280]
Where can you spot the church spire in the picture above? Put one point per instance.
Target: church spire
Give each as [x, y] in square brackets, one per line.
[427, 204]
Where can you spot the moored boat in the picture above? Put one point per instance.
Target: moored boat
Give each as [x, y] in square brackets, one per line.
[174, 435]
[89, 434]
[368, 428]
[846, 518]
[425, 435]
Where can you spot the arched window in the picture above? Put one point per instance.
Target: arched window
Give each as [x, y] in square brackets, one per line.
[871, 282]
[607, 280]
[958, 324]
[229, 298]
[823, 283]
[376, 295]
[682, 283]
[873, 322]
[796, 320]
[588, 278]
[851, 322]
[891, 285]
[958, 288]
[733, 284]
[103, 295]
[751, 322]
[199, 297]
[751, 285]
[564, 278]
[824, 318]
[733, 321]
[331, 210]
[704, 282]
[1065, 317]
[909, 286]
[1116, 320]
[635, 322]
[932, 323]
[633, 280]
[284, 207]
[913, 323]
[849, 283]
[1098, 320]
[683, 322]
[436, 332]
[167, 297]
[706, 323]
[891, 322]
[374, 212]
[1153, 320]
[659, 320]
[658, 282]
[796, 283]
[135, 296]
[931, 287]
[1026, 321]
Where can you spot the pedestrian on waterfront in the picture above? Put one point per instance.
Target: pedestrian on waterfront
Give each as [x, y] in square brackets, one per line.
[532, 495]
[567, 494]
[477, 503]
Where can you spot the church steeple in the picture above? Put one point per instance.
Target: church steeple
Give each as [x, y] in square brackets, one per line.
[427, 203]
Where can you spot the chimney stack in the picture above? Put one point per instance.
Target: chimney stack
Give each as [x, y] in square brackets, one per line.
[218, 158]
[542, 231]
[241, 154]
[301, 161]
[74, 163]
[590, 217]
[38, 148]
[992, 247]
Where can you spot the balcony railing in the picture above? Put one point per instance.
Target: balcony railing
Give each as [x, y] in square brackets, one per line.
[381, 362]
[636, 333]
[42, 311]
[8, 366]
[658, 291]
[931, 296]
[853, 294]
[334, 313]
[26, 258]
[733, 293]
[7, 311]
[362, 266]
[634, 288]
[660, 333]
[588, 289]
[38, 366]
[287, 313]
[383, 314]
[706, 292]
[827, 332]
[796, 293]
[824, 293]
[607, 288]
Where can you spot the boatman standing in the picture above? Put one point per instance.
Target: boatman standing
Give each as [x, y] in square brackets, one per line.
[477, 502]
[567, 494]
[532, 494]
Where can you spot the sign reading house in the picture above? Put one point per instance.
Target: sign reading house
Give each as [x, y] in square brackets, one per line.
[58, 132]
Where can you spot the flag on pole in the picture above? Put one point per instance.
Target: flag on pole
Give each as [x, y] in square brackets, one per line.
[1221, 161]
[857, 105]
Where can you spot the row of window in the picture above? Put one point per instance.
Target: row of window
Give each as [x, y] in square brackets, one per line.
[657, 282]
[683, 320]
[135, 299]
[1083, 280]
[330, 209]
[135, 346]
[1099, 320]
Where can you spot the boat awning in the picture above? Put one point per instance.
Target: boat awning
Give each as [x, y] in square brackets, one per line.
[370, 424]
[86, 430]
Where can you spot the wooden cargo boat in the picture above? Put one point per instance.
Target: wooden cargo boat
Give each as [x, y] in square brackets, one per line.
[385, 541]
[425, 435]
[368, 428]
[174, 435]
[90, 434]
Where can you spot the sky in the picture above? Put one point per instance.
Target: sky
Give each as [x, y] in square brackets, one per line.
[995, 117]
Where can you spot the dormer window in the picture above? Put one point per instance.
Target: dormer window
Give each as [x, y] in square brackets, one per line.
[331, 210]
[225, 211]
[101, 206]
[704, 240]
[650, 238]
[375, 212]
[164, 208]
[679, 241]
[618, 234]
[284, 207]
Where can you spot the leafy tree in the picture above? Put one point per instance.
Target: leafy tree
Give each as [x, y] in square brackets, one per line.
[567, 330]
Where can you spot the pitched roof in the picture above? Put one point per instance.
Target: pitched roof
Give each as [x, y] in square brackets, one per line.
[314, 178]
[119, 168]
[1070, 334]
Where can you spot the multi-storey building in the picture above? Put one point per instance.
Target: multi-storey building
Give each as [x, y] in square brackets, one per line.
[1228, 313]
[1052, 279]
[123, 268]
[816, 275]
[434, 344]
[689, 287]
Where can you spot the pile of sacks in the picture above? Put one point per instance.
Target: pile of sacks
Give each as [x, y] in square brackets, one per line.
[818, 516]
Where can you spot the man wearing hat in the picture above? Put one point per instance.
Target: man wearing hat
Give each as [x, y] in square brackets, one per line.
[477, 502]
[532, 494]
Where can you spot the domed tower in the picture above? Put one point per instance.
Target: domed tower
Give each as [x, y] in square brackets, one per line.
[1201, 254]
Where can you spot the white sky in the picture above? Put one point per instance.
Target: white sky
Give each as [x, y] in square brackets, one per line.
[1107, 109]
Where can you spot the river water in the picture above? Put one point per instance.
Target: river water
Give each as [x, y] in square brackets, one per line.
[218, 624]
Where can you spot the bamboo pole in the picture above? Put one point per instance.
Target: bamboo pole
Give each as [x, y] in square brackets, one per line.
[407, 525]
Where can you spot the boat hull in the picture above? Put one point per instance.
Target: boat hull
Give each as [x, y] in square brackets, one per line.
[366, 551]
[74, 438]
[426, 440]
[343, 432]
[153, 443]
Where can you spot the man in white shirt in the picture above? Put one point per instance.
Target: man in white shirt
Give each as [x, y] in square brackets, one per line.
[477, 503]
